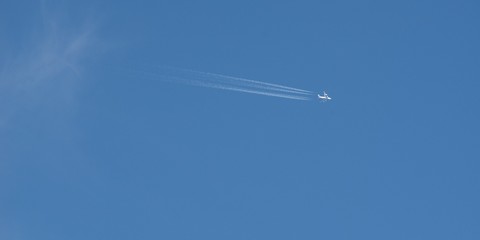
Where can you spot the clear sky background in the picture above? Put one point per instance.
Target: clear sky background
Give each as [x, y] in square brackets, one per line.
[89, 151]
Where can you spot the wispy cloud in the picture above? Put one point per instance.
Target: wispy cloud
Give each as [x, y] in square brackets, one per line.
[42, 64]
[45, 64]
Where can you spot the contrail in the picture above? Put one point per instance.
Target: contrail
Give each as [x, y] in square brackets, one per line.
[265, 85]
[254, 84]
[247, 90]
[224, 82]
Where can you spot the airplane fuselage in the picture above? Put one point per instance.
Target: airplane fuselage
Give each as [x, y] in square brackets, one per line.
[324, 97]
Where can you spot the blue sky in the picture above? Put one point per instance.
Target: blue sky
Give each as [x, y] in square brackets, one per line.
[89, 151]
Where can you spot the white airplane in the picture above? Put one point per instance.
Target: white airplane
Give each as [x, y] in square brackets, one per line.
[324, 97]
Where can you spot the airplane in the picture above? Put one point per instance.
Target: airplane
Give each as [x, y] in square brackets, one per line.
[324, 97]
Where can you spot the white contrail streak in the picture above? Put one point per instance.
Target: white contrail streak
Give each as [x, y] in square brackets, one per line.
[221, 86]
[253, 84]
[270, 85]
[224, 82]
[239, 81]
[246, 90]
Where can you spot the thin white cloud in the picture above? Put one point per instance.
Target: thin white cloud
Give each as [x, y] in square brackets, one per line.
[45, 64]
